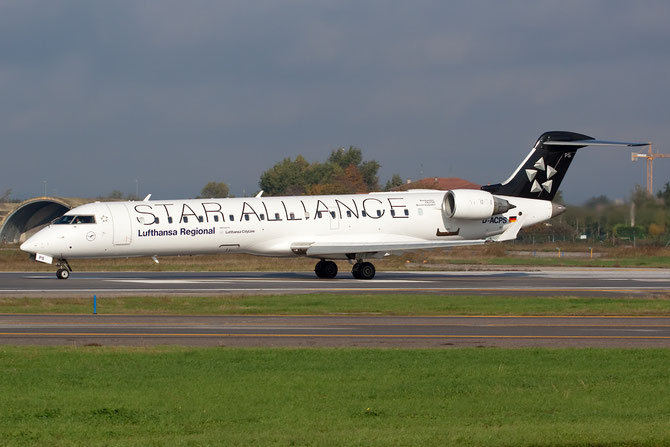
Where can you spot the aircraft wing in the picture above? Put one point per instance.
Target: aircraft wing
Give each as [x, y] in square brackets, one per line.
[331, 248]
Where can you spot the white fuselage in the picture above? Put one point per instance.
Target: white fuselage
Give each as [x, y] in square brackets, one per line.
[269, 226]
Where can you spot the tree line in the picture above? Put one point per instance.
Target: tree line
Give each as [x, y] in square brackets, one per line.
[641, 218]
[344, 172]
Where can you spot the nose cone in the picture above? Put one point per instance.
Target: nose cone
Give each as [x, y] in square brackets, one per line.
[37, 243]
[29, 245]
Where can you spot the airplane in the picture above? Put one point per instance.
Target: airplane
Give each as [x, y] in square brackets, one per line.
[357, 227]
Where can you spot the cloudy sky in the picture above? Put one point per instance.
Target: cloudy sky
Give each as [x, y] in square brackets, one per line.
[94, 95]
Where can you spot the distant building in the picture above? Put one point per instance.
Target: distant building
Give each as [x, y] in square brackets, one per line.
[440, 183]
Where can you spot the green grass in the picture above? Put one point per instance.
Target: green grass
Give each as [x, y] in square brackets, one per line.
[484, 397]
[352, 304]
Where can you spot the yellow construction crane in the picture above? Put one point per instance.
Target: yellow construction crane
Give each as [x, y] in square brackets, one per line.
[650, 156]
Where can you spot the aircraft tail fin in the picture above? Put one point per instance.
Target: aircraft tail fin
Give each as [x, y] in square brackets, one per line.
[541, 173]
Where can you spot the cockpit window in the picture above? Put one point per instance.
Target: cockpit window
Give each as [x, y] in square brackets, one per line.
[74, 220]
[83, 220]
[63, 220]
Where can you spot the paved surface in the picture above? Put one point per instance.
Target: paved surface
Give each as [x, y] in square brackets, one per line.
[550, 282]
[408, 332]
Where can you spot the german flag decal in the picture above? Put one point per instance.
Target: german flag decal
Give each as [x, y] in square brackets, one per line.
[512, 219]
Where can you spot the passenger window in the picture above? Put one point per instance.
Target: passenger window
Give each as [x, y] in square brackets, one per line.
[277, 216]
[363, 213]
[231, 218]
[156, 220]
[200, 219]
[348, 213]
[262, 216]
[169, 219]
[216, 218]
[393, 213]
[420, 211]
[406, 212]
[246, 217]
[292, 216]
[332, 214]
[379, 213]
[318, 215]
[185, 219]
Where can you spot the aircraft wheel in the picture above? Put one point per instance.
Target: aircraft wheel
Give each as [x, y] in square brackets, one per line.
[326, 269]
[329, 269]
[318, 269]
[366, 271]
[62, 273]
[356, 270]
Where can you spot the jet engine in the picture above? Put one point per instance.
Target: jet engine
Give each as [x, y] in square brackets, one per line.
[473, 204]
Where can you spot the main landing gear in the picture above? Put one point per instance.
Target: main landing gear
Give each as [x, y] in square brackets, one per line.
[325, 269]
[363, 270]
[64, 269]
[360, 270]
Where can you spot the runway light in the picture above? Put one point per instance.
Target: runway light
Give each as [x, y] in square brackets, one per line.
[95, 307]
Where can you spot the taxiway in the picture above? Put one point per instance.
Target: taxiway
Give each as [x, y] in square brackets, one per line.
[318, 331]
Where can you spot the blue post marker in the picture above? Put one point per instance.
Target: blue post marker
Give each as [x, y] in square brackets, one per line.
[95, 307]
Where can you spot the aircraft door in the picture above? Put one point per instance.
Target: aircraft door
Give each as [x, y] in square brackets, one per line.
[334, 220]
[121, 223]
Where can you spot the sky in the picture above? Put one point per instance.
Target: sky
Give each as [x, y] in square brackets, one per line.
[166, 96]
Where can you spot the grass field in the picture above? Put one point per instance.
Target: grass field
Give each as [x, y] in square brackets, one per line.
[345, 304]
[172, 396]
[104, 396]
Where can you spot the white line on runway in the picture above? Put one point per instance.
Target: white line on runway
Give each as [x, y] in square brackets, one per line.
[341, 289]
[243, 280]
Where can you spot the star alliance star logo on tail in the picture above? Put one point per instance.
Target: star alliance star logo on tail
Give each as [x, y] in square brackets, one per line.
[540, 166]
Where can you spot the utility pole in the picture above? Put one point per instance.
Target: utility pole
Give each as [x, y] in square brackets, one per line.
[650, 156]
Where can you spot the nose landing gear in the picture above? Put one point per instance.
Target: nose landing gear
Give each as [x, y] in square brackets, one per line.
[64, 269]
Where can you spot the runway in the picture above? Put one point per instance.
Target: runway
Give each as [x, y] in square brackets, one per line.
[335, 331]
[540, 282]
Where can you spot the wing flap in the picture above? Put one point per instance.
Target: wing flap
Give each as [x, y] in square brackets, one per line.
[510, 233]
[330, 248]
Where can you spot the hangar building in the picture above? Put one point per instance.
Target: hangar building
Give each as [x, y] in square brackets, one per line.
[17, 219]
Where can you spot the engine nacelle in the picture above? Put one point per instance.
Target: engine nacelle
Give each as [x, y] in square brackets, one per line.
[473, 204]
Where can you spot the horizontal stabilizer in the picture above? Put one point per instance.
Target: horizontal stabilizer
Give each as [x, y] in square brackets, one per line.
[593, 143]
[540, 175]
